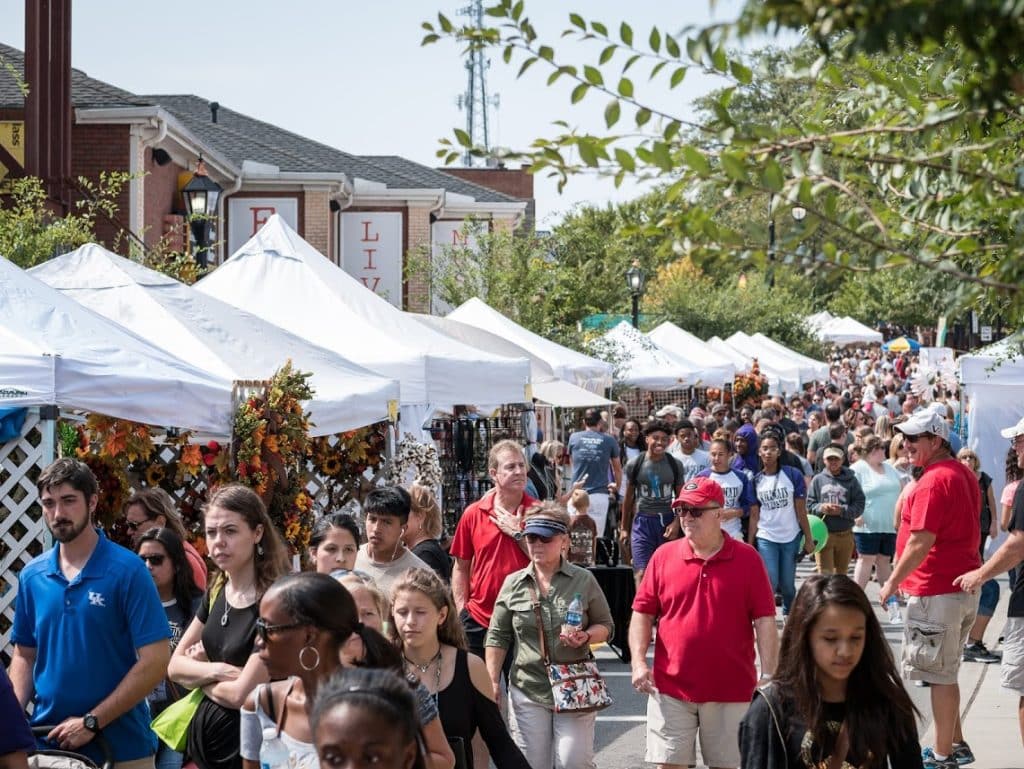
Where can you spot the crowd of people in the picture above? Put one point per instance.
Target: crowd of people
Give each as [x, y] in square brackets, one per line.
[396, 649]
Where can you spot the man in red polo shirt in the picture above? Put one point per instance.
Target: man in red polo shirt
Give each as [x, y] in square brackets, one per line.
[488, 543]
[711, 597]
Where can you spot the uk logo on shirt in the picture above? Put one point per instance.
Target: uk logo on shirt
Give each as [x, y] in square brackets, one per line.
[96, 599]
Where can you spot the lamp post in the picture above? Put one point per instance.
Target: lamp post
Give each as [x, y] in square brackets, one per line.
[636, 279]
[200, 196]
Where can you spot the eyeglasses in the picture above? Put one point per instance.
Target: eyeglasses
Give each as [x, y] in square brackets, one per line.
[134, 525]
[694, 512]
[263, 630]
[155, 560]
[535, 538]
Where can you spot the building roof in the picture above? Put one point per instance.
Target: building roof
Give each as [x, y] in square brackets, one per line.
[239, 137]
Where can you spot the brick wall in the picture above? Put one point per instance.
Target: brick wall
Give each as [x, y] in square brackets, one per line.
[159, 193]
[98, 148]
[417, 285]
[317, 230]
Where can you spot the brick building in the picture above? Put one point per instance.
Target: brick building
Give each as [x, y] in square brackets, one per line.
[367, 214]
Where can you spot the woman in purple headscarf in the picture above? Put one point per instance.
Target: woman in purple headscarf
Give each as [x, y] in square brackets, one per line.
[745, 459]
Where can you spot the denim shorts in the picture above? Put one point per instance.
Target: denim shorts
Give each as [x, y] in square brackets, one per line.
[875, 544]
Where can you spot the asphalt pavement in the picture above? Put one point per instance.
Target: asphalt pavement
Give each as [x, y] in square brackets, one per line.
[989, 712]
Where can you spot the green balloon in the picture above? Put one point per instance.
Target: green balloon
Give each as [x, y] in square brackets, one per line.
[819, 531]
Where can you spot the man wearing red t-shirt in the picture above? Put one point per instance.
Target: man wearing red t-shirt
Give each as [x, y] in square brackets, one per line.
[937, 542]
[712, 598]
[487, 546]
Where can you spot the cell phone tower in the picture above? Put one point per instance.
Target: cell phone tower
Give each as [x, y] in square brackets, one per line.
[475, 100]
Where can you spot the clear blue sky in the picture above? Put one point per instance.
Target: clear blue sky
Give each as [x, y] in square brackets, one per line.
[353, 74]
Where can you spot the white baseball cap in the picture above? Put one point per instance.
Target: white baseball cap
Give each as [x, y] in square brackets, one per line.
[1013, 432]
[925, 422]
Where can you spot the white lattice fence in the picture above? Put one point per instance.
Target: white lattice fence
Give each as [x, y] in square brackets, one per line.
[23, 534]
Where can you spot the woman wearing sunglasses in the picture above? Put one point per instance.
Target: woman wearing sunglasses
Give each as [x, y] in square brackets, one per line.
[553, 582]
[304, 622]
[164, 554]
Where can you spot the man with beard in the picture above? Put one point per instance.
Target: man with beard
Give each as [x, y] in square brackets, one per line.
[90, 636]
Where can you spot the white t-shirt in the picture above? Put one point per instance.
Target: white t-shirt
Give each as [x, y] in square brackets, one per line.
[777, 495]
[692, 463]
[732, 487]
[384, 574]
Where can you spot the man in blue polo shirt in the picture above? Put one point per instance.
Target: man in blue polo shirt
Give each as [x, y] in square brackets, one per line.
[90, 635]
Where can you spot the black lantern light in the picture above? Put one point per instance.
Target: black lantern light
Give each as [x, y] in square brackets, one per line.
[201, 196]
[636, 279]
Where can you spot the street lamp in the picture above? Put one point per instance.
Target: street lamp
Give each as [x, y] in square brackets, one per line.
[636, 279]
[200, 196]
[799, 214]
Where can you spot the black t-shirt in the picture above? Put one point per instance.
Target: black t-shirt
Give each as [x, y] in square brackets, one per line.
[431, 553]
[1016, 605]
[231, 642]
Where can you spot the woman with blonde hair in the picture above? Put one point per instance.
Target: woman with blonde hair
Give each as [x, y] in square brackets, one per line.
[544, 474]
[217, 651]
[899, 457]
[423, 530]
[433, 647]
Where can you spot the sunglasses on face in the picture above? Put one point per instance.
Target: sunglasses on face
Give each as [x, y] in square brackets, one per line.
[155, 560]
[534, 538]
[263, 629]
[694, 512]
[913, 438]
[134, 525]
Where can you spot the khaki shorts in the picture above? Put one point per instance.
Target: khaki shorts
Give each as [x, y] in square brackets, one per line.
[934, 636]
[672, 727]
[1012, 669]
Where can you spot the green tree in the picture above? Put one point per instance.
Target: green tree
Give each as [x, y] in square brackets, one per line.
[895, 159]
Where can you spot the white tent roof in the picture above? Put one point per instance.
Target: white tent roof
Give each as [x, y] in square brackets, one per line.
[843, 331]
[216, 336]
[810, 369]
[587, 372]
[818, 319]
[546, 386]
[786, 379]
[712, 367]
[54, 351]
[639, 362]
[280, 277]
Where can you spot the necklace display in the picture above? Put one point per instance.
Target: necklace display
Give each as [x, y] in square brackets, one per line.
[424, 668]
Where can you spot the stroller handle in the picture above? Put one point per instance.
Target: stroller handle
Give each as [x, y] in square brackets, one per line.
[98, 740]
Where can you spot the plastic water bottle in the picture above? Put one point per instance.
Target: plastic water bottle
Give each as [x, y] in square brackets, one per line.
[895, 615]
[273, 753]
[574, 615]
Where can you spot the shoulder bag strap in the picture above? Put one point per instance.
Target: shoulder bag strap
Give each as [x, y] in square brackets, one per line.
[775, 720]
[545, 658]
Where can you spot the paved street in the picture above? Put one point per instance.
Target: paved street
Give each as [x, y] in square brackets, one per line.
[620, 729]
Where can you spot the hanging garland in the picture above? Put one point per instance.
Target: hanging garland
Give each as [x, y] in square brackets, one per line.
[749, 386]
[414, 460]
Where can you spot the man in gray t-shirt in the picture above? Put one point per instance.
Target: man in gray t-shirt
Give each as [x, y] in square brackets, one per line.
[595, 461]
[652, 481]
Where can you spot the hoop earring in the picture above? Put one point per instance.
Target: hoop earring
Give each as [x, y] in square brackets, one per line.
[259, 548]
[302, 662]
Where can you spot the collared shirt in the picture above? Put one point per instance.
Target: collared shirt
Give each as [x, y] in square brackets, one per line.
[514, 618]
[86, 633]
[704, 650]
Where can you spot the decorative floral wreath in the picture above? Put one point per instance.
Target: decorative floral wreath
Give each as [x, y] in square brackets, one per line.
[419, 459]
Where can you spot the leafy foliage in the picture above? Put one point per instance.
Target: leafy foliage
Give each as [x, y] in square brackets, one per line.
[898, 160]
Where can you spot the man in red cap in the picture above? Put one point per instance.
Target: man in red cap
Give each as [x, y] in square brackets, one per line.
[711, 597]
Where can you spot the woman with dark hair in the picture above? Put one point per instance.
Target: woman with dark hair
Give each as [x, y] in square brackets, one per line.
[434, 650]
[370, 714]
[334, 543]
[631, 445]
[153, 508]
[216, 652]
[164, 555]
[836, 699]
[304, 621]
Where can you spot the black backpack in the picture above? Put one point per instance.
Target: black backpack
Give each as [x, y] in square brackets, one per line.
[675, 464]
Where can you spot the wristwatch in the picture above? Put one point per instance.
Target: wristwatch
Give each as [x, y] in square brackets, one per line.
[90, 722]
[518, 535]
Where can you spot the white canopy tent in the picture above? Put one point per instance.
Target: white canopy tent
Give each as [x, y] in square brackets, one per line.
[587, 372]
[992, 382]
[547, 388]
[810, 369]
[818, 319]
[54, 351]
[714, 369]
[216, 336]
[844, 331]
[779, 381]
[639, 362]
[282, 278]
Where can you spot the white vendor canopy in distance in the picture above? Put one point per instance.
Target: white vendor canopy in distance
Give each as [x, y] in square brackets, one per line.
[641, 363]
[216, 337]
[711, 367]
[790, 372]
[54, 351]
[846, 330]
[778, 381]
[587, 372]
[815, 369]
[283, 279]
[547, 388]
